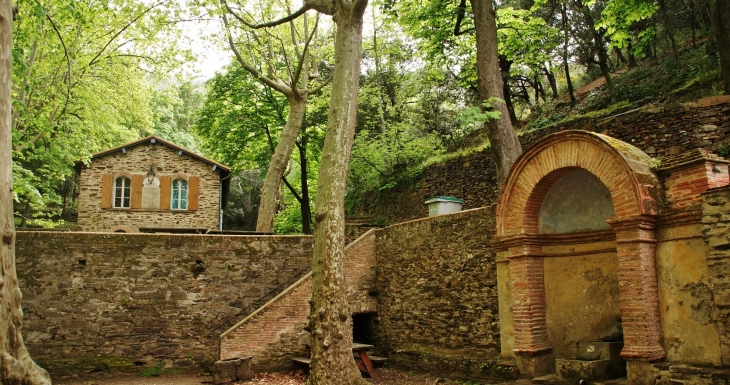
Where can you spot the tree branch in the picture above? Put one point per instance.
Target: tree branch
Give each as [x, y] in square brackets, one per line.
[461, 12]
[274, 23]
[291, 189]
[319, 88]
[65, 52]
[275, 85]
[303, 56]
[92, 61]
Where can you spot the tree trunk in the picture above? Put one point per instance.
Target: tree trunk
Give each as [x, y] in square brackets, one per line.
[506, 147]
[235, 369]
[16, 366]
[277, 166]
[304, 204]
[721, 32]
[566, 41]
[665, 20]
[504, 68]
[329, 321]
[551, 80]
[620, 56]
[602, 55]
[632, 57]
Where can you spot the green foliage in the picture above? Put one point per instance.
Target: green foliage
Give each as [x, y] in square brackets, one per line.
[174, 111]
[241, 120]
[618, 17]
[724, 152]
[477, 115]
[555, 119]
[152, 371]
[82, 75]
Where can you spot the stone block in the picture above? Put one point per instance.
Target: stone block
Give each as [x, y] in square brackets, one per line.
[593, 370]
[531, 366]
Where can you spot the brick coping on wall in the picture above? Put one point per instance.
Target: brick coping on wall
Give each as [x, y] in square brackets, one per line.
[287, 290]
[79, 234]
[450, 215]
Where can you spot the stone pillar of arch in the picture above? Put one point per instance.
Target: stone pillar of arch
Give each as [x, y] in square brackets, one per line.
[636, 195]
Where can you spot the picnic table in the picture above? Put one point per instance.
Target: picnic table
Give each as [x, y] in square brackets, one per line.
[365, 365]
[361, 351]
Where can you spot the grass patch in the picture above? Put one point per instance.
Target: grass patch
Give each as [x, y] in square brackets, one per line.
[158, 370]
[537, 124]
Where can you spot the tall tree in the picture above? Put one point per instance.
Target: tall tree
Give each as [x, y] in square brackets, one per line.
[83, 75]
[330, 321]
[16, 366]
[292, 81]
[721, 31]
[506, 147]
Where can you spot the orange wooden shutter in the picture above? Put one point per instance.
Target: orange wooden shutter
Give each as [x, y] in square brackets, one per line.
[165, 192]
[137, 181]
[193, 184]
[106, 191]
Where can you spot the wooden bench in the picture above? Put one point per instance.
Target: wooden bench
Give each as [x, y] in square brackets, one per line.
[362, 359]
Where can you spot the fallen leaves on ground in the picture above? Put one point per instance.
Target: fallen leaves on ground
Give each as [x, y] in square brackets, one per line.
[385, 377]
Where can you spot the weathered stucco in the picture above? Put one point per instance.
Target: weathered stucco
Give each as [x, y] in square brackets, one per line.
[689, 329]
[581, 295]
[577, 202]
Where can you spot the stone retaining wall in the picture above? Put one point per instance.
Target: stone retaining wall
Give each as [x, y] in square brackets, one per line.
[437, 296]
[275, 332]
[658, 130]
[116, 301]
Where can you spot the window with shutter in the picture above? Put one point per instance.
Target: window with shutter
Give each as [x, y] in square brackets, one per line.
[179, 199]
[122, 193]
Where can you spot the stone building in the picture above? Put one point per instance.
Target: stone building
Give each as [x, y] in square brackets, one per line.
[151, 184]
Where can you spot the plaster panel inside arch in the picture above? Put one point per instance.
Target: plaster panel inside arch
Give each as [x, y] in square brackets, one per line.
[577, 202]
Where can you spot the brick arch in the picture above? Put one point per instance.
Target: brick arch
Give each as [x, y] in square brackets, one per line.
[180, 176]
[123, 229]
[624, 169]
[119, 174]
[636, 195]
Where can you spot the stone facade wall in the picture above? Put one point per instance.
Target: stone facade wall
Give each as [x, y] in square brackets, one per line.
[275, 332]
[112, 301]
[716, 233]
[657, 130]
[437, 296]
[137, 161]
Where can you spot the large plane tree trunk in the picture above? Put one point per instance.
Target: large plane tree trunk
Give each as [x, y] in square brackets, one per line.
[506, 147]
[16, 366]
[330, 322]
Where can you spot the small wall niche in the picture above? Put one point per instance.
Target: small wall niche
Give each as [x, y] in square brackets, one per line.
[577, 202]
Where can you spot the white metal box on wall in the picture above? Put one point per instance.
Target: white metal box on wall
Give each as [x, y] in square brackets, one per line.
[443, 205]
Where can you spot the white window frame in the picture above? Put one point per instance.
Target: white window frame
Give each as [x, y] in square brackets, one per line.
[126, 193]
[183, 188]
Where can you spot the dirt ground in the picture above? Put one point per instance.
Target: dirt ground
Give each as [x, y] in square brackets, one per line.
[385, 377]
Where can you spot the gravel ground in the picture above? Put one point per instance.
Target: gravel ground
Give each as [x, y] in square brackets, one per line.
[385, 377]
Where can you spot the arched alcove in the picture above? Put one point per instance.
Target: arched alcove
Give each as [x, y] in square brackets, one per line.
[577, 202]
[577, 208]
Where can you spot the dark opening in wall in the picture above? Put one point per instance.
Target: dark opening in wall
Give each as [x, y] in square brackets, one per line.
[362, 327]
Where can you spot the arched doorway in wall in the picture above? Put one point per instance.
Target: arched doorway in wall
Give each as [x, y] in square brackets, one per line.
[575, 243]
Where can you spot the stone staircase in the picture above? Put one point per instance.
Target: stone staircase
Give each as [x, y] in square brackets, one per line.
[275, 331]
